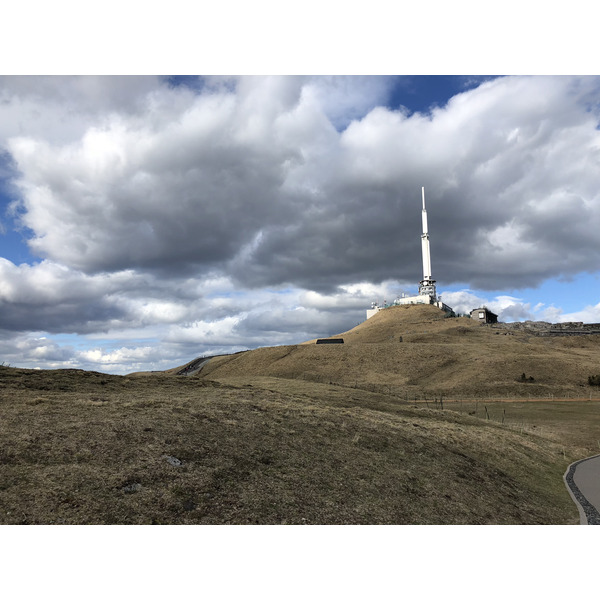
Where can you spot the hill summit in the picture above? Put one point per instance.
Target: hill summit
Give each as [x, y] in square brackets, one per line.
[417, 349]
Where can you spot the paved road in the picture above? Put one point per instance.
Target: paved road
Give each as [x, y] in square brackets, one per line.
[583, 482]
[195, 366]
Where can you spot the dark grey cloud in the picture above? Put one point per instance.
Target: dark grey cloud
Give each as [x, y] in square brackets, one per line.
[511, 190]
[65, 317]
[283, 325]
[52, 298]
[257, 182]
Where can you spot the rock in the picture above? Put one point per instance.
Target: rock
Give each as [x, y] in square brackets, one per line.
[175, 462]
[131, 488]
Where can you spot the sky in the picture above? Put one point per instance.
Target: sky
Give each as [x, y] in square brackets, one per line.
[148, 220]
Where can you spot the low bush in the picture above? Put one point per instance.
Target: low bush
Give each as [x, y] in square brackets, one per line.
[526, 379]
[594, 379]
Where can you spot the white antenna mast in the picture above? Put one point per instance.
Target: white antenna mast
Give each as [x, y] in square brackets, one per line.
[425, 243]
[427, 286]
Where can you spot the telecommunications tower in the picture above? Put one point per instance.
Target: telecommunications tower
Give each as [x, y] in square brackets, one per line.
[427, 292]
[427, 285]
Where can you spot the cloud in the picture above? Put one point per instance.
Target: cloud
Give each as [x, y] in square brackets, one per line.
[256, 181]
[173, 190]
[230, 212]
[344, 99]
[508, 308]
[61, 108]
[34, 350]
[589, 314]
[131, 357]
[51, 297]
[499, 187]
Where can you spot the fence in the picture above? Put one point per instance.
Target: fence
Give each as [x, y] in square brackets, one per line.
[423, 396]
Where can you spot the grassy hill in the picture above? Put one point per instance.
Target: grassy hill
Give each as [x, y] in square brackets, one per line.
[81, 447]
[416, 350]
[306, 434]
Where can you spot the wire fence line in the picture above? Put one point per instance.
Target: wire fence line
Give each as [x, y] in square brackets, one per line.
[424, 396]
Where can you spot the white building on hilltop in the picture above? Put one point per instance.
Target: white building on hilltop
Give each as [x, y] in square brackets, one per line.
[427, 291]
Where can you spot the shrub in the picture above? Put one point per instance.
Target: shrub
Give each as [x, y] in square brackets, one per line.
[594, 379]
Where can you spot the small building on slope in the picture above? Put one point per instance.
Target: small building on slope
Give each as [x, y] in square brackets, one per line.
[483, 315]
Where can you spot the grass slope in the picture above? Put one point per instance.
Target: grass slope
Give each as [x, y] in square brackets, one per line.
[82, 447]
[415, 350]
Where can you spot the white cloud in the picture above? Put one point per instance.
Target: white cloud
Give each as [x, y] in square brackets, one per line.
[589, 314]
[508, 308]
[356, 296]
[35, 350]
[122, 356]
[206, 332]
[464, 301]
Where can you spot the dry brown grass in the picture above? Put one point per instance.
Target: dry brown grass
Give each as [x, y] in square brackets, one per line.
[575, 424]
[80, 447]
[309, 434]
[413, 350]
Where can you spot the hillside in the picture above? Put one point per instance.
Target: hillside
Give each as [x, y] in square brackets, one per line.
[80, 447]
[414, 350]
[348, 433]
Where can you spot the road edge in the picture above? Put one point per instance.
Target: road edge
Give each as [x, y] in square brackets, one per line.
[587, 512]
